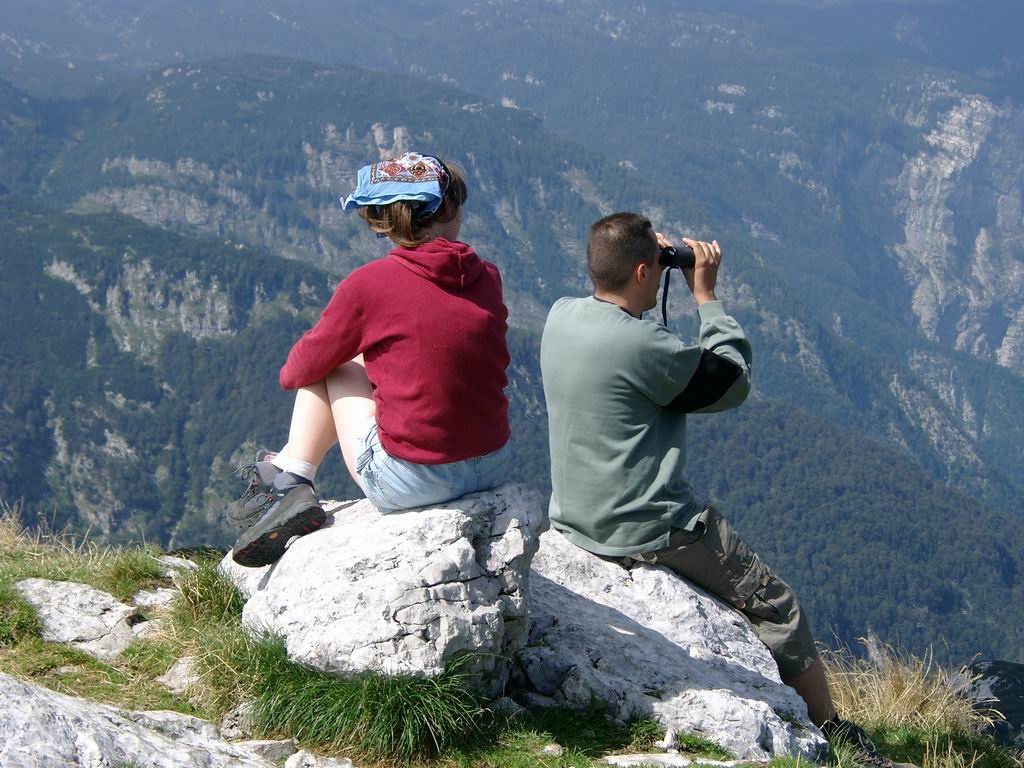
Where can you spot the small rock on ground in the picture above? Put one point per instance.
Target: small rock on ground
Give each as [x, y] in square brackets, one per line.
[81, 616]
[154, 599]
[237, 723]
[304, 759]
[147, 630]
[271, 749]
[180, 676]
[174, 564]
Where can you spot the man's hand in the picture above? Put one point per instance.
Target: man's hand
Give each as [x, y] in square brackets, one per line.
[704, 274]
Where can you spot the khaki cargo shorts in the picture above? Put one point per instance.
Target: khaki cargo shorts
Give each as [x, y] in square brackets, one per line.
[712, 555]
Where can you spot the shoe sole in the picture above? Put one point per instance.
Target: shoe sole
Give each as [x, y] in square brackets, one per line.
[265, 542]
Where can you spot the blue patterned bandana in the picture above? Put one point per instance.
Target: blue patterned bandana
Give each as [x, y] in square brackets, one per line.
[412, 177]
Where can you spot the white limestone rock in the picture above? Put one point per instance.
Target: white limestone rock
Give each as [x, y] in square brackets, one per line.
[172, 565]
[237, 723]
[151, 630]
[271, 749]
[181, 676]
[175, 725]
[304, 759]
[155, 599]
[82, 616]
[404, 593]
[44, 729]
[648, 643]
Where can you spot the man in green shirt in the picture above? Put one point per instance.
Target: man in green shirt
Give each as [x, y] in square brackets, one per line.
[618, 390]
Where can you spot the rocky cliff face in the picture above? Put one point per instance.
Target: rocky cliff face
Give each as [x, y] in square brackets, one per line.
[188, 195]
[959, 200]
[145, 304]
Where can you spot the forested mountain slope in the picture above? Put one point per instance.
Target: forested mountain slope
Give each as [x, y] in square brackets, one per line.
[150, 356]
[259, 149]
[873, 144]
[154, 375]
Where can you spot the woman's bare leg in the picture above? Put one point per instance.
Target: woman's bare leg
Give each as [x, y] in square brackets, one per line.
[312, 432]
[351, 402]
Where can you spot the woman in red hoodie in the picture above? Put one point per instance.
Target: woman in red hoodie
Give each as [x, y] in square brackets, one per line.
[405, 369]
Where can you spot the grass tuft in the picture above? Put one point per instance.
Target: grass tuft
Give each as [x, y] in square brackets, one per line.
[18, 619]
[887, 691]
[205, 596]
[913, 711]
[380, 717]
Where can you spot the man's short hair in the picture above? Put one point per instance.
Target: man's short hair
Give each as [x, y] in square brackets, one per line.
[617, 244]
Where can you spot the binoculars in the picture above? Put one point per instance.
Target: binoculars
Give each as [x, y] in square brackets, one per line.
[681, 257]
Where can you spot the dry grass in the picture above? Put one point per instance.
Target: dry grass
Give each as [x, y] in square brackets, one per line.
[913, 710]
[891, 691]
[59, 556]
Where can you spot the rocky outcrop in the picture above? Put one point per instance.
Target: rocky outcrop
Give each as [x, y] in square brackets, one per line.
[304, 759]
[82, 616]
[960, 203]
[145, 305]
[405, 593]
[998, 685]
[43, 729]
[648, 643]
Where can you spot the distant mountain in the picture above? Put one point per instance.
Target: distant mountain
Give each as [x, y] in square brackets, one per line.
[278, 141]
[244, 159]
[869, 150]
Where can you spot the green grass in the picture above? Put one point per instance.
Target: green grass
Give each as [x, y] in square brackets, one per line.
[205, 597]
[58, 557]
[126, 683]
[380, 717]
[18, 619]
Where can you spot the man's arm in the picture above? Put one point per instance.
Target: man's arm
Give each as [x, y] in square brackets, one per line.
[721, 379]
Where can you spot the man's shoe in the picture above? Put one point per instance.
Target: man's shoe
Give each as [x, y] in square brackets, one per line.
[258, 497]
[850, 735]
[294, 511]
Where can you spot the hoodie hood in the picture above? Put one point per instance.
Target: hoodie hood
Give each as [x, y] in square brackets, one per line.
[448, 264]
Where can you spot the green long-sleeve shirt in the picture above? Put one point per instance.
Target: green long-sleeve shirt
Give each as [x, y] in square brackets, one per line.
[618, 389]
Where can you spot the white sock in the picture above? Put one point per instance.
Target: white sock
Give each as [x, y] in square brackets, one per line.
[295, 466]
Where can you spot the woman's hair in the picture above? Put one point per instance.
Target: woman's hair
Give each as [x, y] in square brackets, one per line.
[399, 220]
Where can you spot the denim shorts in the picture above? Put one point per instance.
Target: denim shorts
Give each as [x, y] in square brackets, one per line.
[392, 483]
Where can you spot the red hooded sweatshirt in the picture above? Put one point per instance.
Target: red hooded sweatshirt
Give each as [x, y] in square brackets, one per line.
[430, 323]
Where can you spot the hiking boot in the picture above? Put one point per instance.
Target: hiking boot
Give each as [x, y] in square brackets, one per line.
[258, 497]
[850, 735]
[293, 511]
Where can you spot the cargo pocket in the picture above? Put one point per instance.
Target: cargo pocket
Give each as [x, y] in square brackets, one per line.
[742, 578]
[760, 603]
